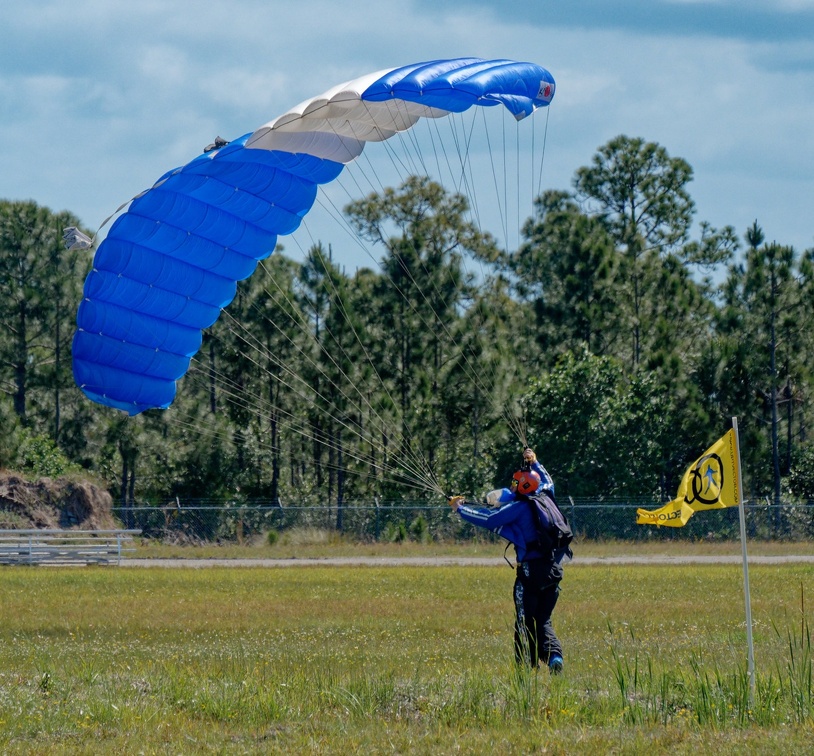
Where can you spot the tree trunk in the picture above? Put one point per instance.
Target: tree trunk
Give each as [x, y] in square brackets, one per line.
[275, 447]
[331, 461]
[123, 492]
[125, 476]
[57, 359]
[773, 399]
[213, 403]
[131, 490]
[788, 395]
[340, 484]
[131, 495]
[21, 363]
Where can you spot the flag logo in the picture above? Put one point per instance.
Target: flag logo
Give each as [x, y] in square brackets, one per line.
[546, 90]
[706, 481]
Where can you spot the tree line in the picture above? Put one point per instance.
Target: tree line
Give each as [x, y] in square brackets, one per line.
[618, 340]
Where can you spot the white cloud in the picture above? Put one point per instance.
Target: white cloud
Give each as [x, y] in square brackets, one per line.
[102, 97]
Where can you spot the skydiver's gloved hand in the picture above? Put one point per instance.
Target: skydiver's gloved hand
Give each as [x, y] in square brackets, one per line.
[455, 502]
[494, 498]
[529, 456]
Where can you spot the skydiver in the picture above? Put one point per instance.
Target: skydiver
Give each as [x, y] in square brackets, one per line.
[539, 570]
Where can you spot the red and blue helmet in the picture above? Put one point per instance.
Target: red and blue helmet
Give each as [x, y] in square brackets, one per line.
[527, 481]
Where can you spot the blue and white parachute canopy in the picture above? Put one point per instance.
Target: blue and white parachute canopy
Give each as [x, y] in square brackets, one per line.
[172, 260]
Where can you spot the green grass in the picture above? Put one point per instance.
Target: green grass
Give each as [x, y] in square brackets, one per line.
[316, 543]
[398, 660]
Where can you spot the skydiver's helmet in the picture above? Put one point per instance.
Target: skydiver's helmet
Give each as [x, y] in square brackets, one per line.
[526, 482]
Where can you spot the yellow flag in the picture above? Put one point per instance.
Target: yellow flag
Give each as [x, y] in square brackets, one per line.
[672, 515]
[711, 482]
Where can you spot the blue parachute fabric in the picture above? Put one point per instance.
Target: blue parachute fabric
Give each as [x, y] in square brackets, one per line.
[459, 84]
[171, 262]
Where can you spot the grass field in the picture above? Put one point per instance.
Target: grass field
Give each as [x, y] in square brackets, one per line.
[399, 660]
[313, 543]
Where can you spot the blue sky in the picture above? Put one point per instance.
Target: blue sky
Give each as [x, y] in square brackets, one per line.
[98, 98]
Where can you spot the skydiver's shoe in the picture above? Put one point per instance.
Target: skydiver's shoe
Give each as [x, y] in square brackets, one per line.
[555, 665]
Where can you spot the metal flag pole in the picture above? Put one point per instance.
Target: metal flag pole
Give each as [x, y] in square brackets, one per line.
[746, 595]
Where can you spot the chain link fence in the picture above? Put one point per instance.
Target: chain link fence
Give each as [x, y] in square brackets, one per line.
[198, 522]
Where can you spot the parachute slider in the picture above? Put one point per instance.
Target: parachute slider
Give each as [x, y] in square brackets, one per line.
[75, 239]
[216, 145]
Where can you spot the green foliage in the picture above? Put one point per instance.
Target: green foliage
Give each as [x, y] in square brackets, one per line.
[396, 532]
[471, 476]
[612, 340]
[601, 433]
[569, 271]
[10, 437]
[40, 286]
[40, 457]
[800, 480]
[419, 529]
[765, 334]
[640, 192]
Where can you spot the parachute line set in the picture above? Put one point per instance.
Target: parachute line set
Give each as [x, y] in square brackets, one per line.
[171, 261]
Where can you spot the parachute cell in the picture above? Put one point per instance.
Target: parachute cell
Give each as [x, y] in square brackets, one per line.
[171, 261]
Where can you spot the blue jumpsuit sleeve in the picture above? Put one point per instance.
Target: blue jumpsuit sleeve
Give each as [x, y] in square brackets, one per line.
[513, 521]
[548, 481]
[491, 519]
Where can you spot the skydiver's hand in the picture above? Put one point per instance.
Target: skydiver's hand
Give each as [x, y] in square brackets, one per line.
[529, 456]
[455, 502]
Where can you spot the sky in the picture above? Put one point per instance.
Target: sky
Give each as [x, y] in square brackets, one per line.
[99, 98]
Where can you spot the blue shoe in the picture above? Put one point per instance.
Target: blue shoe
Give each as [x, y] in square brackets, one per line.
[555, 665]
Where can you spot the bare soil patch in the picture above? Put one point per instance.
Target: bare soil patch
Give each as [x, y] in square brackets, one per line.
[59, 503]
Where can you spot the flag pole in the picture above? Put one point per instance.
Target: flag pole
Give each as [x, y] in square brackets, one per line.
[747, 599]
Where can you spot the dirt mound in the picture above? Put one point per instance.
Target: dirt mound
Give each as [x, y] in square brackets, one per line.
[59, 503]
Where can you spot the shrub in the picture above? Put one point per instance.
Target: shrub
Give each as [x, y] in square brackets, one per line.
[420, 530]
[40, 457]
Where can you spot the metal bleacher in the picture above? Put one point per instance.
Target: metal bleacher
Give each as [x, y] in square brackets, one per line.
[65, 547]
